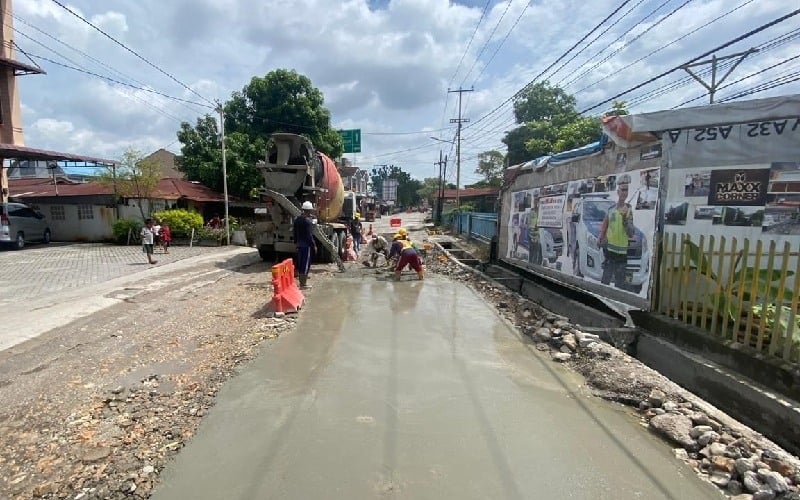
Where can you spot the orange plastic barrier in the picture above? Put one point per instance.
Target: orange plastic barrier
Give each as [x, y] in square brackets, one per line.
[286, 297]
[395, 222]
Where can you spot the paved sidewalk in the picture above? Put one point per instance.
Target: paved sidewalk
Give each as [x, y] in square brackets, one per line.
[47, 269]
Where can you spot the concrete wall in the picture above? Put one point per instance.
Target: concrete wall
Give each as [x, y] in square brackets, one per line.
[73, 228]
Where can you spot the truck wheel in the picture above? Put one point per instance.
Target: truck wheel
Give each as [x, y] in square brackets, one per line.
[266, 253]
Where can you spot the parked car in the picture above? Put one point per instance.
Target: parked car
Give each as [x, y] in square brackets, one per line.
[20, 224]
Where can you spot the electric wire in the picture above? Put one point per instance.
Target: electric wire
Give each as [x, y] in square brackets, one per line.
[660, 48]
[486, 43]
[629, 42]
[562, 56]
[502, 42]
[152, 91]
[695, 59]
[171, 77]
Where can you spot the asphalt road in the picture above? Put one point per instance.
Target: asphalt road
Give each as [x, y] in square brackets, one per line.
[416, 390]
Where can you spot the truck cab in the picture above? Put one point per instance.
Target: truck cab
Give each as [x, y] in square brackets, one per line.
[586, 219]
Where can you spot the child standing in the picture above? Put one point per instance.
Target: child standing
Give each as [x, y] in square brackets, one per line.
[147, 240]
[166, 236]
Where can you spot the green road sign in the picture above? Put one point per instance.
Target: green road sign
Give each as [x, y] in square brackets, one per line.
[352, 140]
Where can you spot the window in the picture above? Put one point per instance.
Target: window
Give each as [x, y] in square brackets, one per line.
[85, 212]
[57, 212]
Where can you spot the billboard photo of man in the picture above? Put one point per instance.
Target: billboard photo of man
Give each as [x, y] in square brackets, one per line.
[616, 231]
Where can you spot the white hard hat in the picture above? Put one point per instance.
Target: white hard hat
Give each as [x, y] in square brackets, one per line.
[307, 205]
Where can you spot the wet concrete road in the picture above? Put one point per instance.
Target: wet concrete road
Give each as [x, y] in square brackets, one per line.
[416, 390]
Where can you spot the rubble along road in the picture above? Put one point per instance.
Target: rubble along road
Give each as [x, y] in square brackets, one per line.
[96, 407]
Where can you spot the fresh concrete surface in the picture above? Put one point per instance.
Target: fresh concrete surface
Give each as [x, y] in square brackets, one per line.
[416, 390]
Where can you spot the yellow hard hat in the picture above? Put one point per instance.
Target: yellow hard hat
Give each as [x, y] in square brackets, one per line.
[397, 236]
[402, 231]
[357, 215]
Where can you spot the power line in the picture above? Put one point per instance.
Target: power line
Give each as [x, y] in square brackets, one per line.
[562, 56]
[600, 35]
[486, 43]
[74, 68]
[630, 42]
[660, 48]
[469, 44]
[701, 56]
[777, 82]
[133, 52]
[503, 41]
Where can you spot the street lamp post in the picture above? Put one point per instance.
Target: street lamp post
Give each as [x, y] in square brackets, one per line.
[224, 172]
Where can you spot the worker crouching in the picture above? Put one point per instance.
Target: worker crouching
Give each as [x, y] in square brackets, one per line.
[408, 256]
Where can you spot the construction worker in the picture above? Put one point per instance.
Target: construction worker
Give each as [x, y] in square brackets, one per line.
[408, 255]
[377, 246]
[355, 229]
[615, 233]
[304, 240]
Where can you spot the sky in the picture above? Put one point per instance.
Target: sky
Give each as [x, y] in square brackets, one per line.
[383, 66]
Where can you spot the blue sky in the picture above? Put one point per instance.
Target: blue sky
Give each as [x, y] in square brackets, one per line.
[384, 66]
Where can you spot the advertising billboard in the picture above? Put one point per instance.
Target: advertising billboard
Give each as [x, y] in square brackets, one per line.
[599, 230]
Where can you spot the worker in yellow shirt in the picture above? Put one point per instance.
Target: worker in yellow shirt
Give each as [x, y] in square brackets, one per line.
[615, 233]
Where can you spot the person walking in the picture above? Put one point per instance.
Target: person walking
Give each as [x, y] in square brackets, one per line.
[304, 240]
[355, 229]
[615, 233]
[148, 237]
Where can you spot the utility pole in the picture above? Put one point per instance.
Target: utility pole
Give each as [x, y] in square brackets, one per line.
[442, 169]
[221, 111]
[715, 83]
[459, 121]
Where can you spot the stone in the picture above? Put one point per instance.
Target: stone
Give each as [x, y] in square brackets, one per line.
[699, 418]
[587, 340]
[743, 496]
[569, 341]
[95, 454]
[565, 349]
[562, 357]
[745, 465]
[543, 334]
[717, 449]
[148, 469]
[658, 411]
[724, 464]
[681, 454]
[670, 406]
[775, 481]
[699, 430]
[764, 495]
[673, 426]
[720, 479]
[734, 488]
[656, 398]
[751, 482]
[778, 466]
[708, 437]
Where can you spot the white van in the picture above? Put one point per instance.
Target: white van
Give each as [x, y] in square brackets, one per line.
[20, 224]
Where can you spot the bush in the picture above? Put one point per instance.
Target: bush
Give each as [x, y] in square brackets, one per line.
[181, 222]
[121, 228]
[209, 233]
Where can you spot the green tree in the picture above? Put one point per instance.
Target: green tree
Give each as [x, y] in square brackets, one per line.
[548, 123]
[429, 189]
[281, 101]
[134, 177]
[490, 167]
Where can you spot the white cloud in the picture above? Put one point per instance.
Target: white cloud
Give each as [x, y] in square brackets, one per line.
[383, 65]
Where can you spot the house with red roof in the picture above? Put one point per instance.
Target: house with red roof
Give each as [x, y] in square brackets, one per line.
[86, 211]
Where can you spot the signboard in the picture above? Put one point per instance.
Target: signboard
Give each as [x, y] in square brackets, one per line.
[739, 187]
[352, 140]
[599, 230]
[389, 190]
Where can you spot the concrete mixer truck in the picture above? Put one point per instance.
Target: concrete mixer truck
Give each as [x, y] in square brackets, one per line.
[295, 172]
